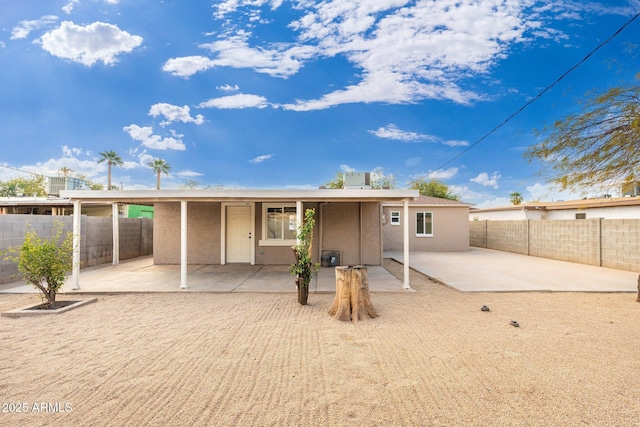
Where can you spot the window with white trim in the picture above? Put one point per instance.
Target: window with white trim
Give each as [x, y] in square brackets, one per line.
[424, 224]
[279, 224]
[395, 217]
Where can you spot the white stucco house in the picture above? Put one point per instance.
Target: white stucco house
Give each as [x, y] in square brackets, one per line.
[606, 207]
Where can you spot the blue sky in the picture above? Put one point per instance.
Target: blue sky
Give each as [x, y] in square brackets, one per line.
[279, 94]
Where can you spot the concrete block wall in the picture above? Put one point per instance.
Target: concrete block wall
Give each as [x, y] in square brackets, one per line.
[621, 244]
[12, 231]
[96, 242]
[613, 243]
[478, 234]
[508, 236]
[566, 240]
[97, 239]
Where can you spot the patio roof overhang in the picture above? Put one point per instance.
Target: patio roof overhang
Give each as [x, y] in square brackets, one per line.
[248, 195]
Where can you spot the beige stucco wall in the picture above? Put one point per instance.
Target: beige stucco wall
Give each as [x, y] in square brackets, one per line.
[343, 226]
[450, 229]
[338, 226]
[203, 233]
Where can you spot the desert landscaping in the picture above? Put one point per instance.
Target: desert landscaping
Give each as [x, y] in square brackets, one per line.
[432, 358]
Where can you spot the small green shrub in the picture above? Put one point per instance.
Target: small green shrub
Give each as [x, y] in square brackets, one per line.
[44, 263]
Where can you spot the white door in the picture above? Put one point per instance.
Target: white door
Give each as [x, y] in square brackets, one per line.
[238, 220]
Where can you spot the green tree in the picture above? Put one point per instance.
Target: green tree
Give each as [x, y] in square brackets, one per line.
[113, 159]
[35, 185]
[516, 198]
[433, 188]
[44, 263]
[597, 146]
[336, 182]
[159, 166]
[90, 184]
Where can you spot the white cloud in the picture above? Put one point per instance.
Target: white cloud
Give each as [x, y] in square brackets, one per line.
[188, 174]
[148, 139]
[24, 28]
[492, 201]
[261, 159]
[68, 8]
[402, 51]
[187, 66]
[228, 88]
[550, 193]
[443, 174]
[411, 51]
[391, 131]
[228, 6]
[89, 44]
[455, 143]
[238, 101]
[486, 180]
[71, 151]
[174, 113]
[277, 59]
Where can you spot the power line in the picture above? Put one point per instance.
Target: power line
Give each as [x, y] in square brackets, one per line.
[20, 170]
[535, 98]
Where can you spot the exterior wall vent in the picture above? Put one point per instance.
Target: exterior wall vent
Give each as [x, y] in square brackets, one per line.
[357, 180]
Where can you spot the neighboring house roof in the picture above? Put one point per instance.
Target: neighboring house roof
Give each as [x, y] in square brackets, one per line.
[426, 201]
[571, 204]
[312, 195]
[27, 201]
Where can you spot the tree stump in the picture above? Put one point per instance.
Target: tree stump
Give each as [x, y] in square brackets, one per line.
[352, 295]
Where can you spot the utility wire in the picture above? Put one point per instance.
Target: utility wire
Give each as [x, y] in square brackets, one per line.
[20, 170]
[532, 100]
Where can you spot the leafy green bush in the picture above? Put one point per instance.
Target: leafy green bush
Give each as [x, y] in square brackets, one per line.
[44, 263]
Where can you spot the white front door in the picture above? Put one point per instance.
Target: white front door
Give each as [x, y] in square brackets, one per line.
[238, 233]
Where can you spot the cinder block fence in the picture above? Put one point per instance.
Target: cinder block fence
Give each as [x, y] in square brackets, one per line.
[613, 243]
[96, 240]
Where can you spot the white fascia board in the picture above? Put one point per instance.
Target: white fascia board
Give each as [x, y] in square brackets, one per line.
[238, 194]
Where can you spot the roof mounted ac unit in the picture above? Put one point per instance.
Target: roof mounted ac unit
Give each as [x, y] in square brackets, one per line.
[357, 180]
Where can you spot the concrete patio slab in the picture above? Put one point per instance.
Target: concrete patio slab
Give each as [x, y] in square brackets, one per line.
[141, 275]
[486, 270]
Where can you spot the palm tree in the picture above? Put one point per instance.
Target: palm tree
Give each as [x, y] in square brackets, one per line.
[65, 171]
[159, 166]
[516, 198]
[113, 159]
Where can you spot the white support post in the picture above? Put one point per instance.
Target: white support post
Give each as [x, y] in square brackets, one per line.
[299, 218]
[116, 234]
[183, 244]
[405, 206]
[75, 271]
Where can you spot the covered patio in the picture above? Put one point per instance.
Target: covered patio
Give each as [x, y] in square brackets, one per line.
[207, 235]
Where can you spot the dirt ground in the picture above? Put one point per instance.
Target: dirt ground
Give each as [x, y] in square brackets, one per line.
[432, 358]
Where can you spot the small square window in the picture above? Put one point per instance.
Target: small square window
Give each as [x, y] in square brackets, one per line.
[279, 224]
[395, 217]
[582, 215]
